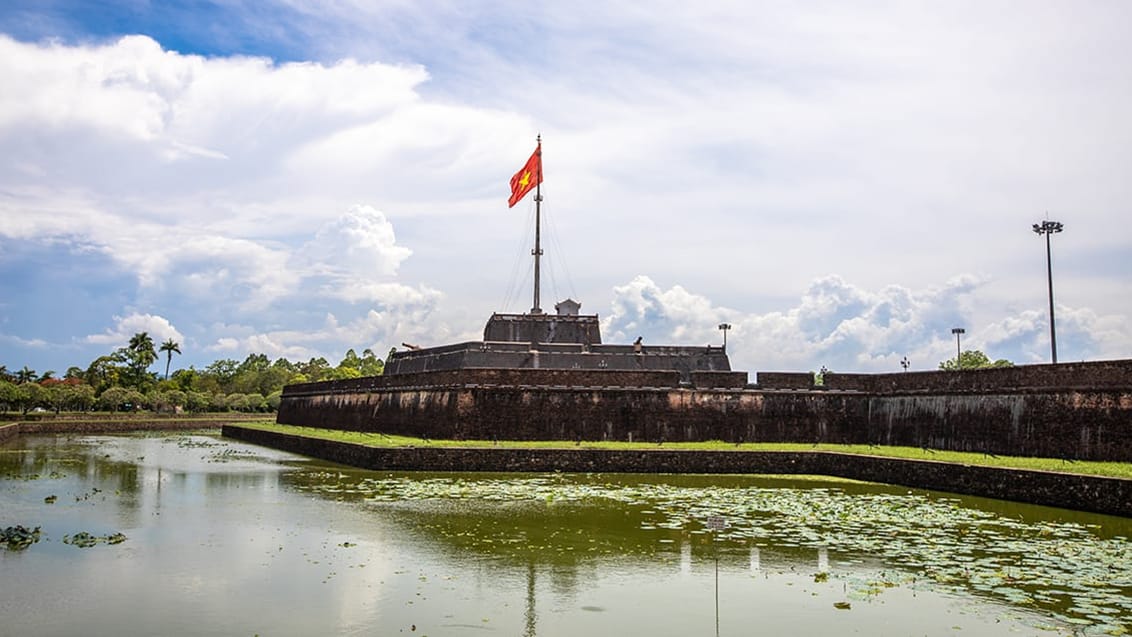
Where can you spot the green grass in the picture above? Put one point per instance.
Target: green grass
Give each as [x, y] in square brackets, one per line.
[1106, 469]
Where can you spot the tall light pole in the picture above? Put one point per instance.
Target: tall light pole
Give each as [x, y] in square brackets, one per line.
[1047, 228]
[957, 331]
[723, 327]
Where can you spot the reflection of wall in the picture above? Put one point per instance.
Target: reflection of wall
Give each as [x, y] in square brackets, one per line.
[1086, 493]
[7, 432]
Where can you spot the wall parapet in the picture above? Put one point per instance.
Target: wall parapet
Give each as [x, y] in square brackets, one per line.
[1094, 375]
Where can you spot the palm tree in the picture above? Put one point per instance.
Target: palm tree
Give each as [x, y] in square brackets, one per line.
[25, 375]
[169, 346]
[141, 355]
[142, 346]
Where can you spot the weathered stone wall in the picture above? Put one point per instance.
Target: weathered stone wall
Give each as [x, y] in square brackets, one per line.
[112, 426]
[726, 380]
[1115, 374]
[1091, 420]
[508, 412]
[1095, 425]
[1088, 493]
[785, 380]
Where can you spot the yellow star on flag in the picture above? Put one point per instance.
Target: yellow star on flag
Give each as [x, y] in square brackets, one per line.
[529, 176]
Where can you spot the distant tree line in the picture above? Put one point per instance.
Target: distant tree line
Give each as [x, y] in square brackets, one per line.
[121, 381]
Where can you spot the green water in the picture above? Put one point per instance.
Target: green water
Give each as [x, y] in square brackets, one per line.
[226, 538]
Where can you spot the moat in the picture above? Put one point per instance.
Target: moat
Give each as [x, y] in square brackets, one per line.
[227, 538]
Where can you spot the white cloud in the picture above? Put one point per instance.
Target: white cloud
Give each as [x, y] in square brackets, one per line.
[374, 330]
[125, 327]
[849, 328]
[359, 244]
[23, 342]
[743, 151]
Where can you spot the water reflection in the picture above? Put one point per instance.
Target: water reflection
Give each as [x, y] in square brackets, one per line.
[227, 538]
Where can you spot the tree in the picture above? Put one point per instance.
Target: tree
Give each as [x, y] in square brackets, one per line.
[81, 397]
[254, 363]
[114, 398]
[29, 395]
[141, 354]
[104, 372]
[371, 364]
[167, 401]
[223, 370]
[973, 359]
[274, 399]
[170, 347]
[9, 394]
[196, 401]
[25, 375]
[315, 369]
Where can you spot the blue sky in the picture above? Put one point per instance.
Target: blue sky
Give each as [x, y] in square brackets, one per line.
[843, 182]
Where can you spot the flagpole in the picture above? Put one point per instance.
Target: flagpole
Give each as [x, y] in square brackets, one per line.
[537, 252]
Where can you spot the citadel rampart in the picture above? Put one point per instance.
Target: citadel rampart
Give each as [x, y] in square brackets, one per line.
[1072, 411]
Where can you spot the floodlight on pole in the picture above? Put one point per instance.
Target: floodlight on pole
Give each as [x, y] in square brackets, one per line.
[723, 327]
[958, 331]
[1047, 228]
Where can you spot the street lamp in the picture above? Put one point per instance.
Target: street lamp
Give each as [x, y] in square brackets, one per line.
[1047, 228]
[957, 331]
[905, 364]
[723, 327]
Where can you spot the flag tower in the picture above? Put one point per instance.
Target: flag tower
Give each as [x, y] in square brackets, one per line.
[528, 177]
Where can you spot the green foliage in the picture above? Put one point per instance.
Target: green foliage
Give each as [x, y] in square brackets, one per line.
[973, 359]
[120, 380]
[354, 366]
[25, 375]
[69, 397]
[121, 399]
[196, 401]
[104, 372]
[223, 370]
[79, 397]
[30, 396]
[274, 399]
[254, 363]
[167, 401]
[139, 354]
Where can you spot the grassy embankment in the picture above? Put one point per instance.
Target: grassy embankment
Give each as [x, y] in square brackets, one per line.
[1105, 469]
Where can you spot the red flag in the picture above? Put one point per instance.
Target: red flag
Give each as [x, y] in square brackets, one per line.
[527, 178]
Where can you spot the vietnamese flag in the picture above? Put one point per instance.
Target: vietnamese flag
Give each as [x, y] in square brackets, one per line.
[527, 178]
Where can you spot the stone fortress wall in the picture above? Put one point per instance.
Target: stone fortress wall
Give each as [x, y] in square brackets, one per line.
[1072, 411]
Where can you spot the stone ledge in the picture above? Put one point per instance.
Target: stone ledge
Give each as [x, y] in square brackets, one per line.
[1112, 496]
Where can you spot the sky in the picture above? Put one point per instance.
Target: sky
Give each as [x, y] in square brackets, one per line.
[842, 182]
